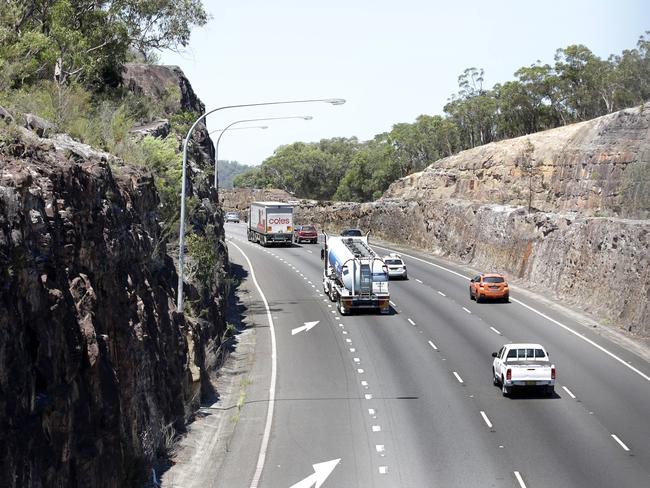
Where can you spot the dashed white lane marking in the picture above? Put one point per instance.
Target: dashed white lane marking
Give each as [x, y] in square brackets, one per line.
[274, 368]
[520, 480]
[441, 294]
[348, 341]
[330, 305]
[569, 392]
[352, 349]
[392, 303]
[487, 420]
[411, 322]
[543, 315]
[313, 286]
[622, 444]
[344, 332]
[383, 469]
[433, 345]
[364, 384]
[309, 282]
[376, 428]
[371, 411]
[495, 331]
[324, 299]
[460, 380]
[368, 396]
[309, 251]
[419, 281]
[468, 311]
[333, 311]
[360, 371]
[337, 318]
[380, 448]
[356, 360]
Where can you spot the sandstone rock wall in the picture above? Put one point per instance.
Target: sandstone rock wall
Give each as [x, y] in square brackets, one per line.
[239, 199]
[600, 265]
[599, 167]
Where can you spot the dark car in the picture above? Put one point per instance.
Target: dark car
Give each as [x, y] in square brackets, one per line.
[352, 233]
[305, 233]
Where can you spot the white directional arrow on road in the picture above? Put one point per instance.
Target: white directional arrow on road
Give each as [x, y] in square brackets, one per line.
[321, 471]
[306, 327]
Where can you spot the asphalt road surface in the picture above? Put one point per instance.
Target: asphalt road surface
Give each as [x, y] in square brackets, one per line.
[407, 400]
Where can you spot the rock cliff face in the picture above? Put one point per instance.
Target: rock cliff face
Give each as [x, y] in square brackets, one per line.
[601, 166]
[473, 207]
[97, 370]
[239, 199]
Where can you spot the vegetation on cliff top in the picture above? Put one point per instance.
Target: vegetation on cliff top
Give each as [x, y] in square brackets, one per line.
[578, 86]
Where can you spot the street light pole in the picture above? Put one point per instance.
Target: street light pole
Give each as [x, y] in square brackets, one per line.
[181, 233]
[216, 146]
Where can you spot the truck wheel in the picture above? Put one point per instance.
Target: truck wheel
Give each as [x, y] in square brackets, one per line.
[342, 309]
[504, 389]
[332, 295]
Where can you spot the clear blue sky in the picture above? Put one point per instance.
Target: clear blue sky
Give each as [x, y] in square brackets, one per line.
[392, 60]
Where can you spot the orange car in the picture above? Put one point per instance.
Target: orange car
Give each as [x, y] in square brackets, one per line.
[489, 285]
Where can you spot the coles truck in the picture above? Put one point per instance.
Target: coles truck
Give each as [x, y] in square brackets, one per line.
[354, 276]
[270, 223]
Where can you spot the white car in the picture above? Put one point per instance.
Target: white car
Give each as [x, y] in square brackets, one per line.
[523, 365]
[396, 267]
[231, 217]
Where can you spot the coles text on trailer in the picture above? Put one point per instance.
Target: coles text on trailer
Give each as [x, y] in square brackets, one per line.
[270, 223]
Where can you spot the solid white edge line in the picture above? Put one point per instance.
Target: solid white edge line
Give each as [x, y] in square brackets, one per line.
[520, 479]
[392, 303]
[487, 420]
[460, 380]
[433, 345]
[419, 281]
[468, 311]
[569, 392]
[411, 322]
[496, 331]
[519, 302]
[269, 413]
[441, 293]
[620, 442]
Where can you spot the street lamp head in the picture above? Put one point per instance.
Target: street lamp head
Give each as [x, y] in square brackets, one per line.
[308, 117]
[264, 126]
[335, 101]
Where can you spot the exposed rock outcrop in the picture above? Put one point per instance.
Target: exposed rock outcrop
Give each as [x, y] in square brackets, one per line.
[239, 199]
[97, 370]
[601, 166]
[472, 207]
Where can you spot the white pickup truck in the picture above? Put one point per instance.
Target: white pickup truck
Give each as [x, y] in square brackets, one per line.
[523, 365]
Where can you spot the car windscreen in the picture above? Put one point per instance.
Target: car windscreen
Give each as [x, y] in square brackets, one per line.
[493, 279]
[351, 233]
[308, 227]
[393, 261]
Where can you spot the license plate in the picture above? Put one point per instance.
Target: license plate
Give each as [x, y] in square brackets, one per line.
[531, 383]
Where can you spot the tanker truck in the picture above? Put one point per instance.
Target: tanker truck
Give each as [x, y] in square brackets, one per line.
[354, 276]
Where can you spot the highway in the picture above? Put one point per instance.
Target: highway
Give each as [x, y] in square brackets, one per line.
[407, 400]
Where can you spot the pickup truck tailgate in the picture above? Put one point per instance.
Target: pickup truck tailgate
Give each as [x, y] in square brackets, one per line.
[522, 371]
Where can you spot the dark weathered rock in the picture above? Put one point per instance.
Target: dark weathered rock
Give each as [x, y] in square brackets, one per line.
[170, 83]
[95, 363]
[42, 127]
[5, 115]
[159, 82]
[157, 128]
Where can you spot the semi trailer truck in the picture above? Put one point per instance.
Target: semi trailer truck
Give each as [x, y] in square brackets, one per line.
[354, 276]
[270, 223]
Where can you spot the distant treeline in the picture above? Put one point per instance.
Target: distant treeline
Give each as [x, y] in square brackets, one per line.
[578, 86]
[228, 170]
